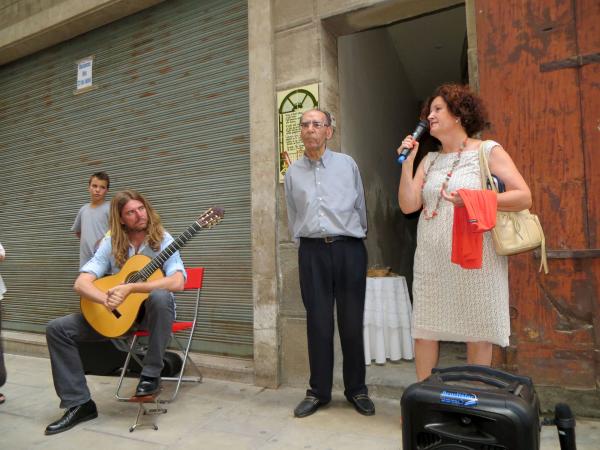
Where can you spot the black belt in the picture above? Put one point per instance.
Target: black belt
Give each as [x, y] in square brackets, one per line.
[330, 239]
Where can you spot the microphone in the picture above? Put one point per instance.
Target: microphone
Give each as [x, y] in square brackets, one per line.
[565, 424]
[422, 126]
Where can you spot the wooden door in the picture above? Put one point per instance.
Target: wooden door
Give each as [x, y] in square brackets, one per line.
[539, 73]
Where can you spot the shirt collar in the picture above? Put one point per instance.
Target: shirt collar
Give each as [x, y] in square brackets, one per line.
[142, 247]
[325, 158]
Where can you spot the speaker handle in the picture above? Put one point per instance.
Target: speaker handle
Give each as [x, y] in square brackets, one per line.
[481, 378]
[484, 374]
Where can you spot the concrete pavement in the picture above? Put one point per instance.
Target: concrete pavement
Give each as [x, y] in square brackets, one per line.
[213, 415]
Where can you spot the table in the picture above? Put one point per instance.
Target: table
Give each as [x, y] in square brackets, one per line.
[386, 326]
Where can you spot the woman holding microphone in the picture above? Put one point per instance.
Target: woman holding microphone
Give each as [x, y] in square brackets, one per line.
[452, 303]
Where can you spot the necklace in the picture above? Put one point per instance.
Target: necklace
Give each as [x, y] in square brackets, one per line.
[430, 215]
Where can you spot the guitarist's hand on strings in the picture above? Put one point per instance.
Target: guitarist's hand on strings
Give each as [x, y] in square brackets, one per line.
[116, 295]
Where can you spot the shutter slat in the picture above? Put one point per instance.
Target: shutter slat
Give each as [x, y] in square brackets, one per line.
[169, 117]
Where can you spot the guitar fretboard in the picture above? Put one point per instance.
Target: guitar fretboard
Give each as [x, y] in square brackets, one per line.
[160, 259]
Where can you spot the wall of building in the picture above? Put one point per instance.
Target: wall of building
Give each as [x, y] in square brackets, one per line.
[31, 25]
[306, 51]
[291, 44]
[30, 22]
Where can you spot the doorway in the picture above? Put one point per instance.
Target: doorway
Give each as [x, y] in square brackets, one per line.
[385, 75]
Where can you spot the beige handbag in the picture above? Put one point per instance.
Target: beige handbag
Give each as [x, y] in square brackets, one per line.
[515, 232]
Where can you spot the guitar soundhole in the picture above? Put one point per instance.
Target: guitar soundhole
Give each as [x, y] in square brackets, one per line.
[129, 277]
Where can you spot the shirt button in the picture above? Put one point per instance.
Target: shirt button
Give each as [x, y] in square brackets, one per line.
[320, 198]
[318, 182]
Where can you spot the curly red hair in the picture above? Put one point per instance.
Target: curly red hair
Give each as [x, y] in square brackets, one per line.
[462, 103]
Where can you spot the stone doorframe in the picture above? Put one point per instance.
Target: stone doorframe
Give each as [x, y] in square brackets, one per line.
[292, 44]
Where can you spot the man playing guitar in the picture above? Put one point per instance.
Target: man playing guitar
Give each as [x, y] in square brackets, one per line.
[135, 228]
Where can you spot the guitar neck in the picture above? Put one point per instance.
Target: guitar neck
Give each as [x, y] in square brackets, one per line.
[160, 259]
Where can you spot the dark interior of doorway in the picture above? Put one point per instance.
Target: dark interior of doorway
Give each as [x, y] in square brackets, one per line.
[385, 75]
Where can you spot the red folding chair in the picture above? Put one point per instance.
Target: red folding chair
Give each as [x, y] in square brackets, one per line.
[193, 282]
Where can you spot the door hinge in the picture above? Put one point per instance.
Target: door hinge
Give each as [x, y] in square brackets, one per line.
[570, 254]
[572, 61]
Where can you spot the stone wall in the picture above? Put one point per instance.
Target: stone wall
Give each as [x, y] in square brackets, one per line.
[28, 26]
[306, 51]
[291, 44]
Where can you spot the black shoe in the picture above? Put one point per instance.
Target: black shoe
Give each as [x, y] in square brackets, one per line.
[363, 404]
[72, 417]
[147, 386]
[308, 406]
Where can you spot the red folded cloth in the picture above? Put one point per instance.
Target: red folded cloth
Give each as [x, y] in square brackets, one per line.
[470, 221]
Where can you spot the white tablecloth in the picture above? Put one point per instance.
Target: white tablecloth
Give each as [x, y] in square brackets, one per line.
[386, 328]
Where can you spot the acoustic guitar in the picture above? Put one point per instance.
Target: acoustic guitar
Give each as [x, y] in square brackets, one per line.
[136, 269]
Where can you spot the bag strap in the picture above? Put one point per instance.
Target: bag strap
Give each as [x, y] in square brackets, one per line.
[543, 257]
[486, 176]
[484, 169]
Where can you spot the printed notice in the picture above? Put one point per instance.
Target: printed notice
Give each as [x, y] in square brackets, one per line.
[291, 104]
[84, 74]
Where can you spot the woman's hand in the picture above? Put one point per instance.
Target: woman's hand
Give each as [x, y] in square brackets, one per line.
[409, 142]
[411, 181]
[452, 197]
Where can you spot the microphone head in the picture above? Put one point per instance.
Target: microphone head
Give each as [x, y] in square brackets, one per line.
[421, 128]
[562, 411]
[563, 416]
[424, 124]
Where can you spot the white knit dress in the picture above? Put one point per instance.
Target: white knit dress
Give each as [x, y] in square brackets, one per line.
[452, 303]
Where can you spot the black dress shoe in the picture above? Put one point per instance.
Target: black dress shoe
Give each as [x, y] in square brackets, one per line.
[308, 406]
[147, 386]
[72, 417]
[363, 404]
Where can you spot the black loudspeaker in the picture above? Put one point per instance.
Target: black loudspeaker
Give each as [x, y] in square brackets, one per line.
[105, 358]
[471, 408]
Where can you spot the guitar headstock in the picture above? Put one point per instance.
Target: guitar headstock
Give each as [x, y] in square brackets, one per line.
[211, 217]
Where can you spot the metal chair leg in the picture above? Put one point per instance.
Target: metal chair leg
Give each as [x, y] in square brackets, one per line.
[130, 354]
[181, 378]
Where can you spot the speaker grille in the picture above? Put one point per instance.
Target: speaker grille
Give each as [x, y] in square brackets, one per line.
[427, 440]
[431, 441]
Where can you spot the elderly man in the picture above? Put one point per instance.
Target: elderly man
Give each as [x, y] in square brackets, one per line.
[327, 216]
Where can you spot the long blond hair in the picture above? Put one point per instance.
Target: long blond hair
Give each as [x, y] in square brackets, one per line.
[118, 232]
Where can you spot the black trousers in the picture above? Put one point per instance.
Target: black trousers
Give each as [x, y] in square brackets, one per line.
[334, 272]
[2, 366]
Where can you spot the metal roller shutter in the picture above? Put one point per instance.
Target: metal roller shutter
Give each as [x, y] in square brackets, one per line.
[168, 117]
